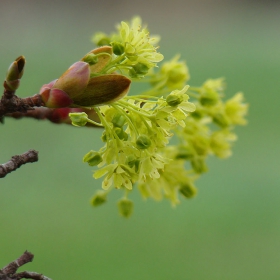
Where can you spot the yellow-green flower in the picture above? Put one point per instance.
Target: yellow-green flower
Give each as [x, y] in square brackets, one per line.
[173, 74]
[138, 46]
[220, 143]
[236, 110]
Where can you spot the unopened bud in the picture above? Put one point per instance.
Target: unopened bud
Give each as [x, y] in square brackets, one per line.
[118, 48]
[130, 161]
[174, 100]
[185, 152]
[125, 207]
[141, 69]
[221, 120]
[209, 98]
[15, 73]
[198, 165]
[91, 59]
[143, 142]
[99, 198]
[79, 119]
[188, 190]
[121, 133]
[93, 158]
[118, 120]
[197, 114]
[103, 41]
[138, 70]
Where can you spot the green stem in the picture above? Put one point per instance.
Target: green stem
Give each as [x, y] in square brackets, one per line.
[95, 123]
[197, 89]
[141, 97]
[133, 108]
[112, 64]
[115, 106]
[192, 94]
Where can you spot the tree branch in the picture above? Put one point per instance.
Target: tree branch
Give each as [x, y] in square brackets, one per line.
[16, 162]
[58, 115]
[9, 271]
[10, 103]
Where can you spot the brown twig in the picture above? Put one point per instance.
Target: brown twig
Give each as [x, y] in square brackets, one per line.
[10, 103]
[58, 115]
[16, 162]
[9, 271]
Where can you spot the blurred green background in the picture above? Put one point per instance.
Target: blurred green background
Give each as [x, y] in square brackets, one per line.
[231, 230]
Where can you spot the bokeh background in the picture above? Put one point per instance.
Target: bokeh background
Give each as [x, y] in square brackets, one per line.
[231, 230]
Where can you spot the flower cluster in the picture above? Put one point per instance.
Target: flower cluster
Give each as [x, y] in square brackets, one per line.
[135, 50]
[136, 132]
[138, 128]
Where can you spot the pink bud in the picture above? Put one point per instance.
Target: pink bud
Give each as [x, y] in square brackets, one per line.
[55, 98]
[75, 79]
[76, 88]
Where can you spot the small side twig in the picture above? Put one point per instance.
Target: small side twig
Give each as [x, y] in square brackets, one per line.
[16, 161]
[9, 271]
[10, 102]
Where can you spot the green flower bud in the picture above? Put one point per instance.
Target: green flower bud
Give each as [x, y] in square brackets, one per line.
[14, 74]
[101, 39]
[210, 98]
[143, 142]
[221, 120]
[125, 207]
[104, 136]
[99, 198]
[79, 119]
[197, 114]
[185, 153]
[188, 190]
[131, 160]
[121, 133]
[200, 144]
[198, 165]
[174, 100]
[105, 41]
[141, 69]
[118, 120]
[93, 158]
[118, 48]
[178, 74]
[91, 59]
[132, 73]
